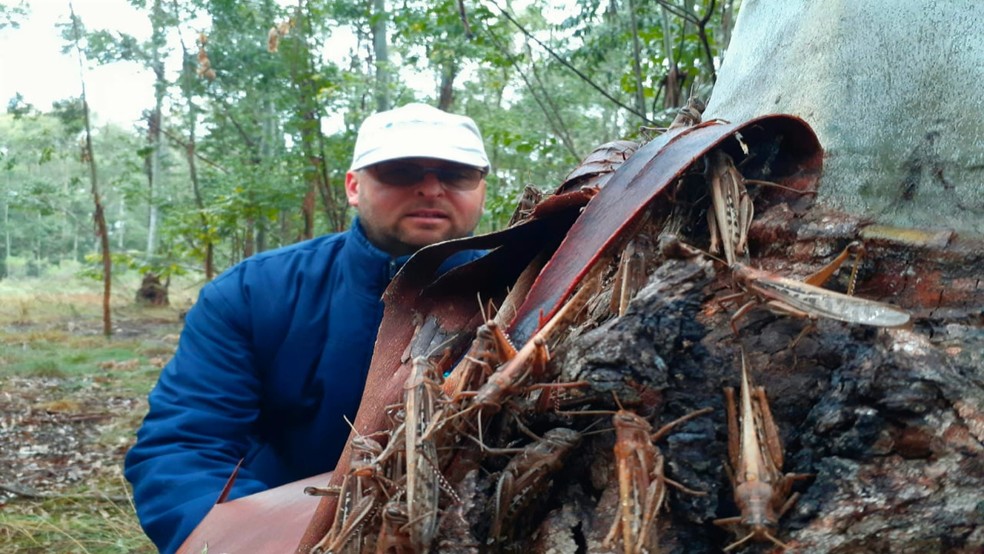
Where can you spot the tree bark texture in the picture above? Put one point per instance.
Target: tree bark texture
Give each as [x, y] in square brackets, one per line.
[888, 423]
[892, 88]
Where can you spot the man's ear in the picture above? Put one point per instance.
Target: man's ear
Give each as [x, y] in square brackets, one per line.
[352, 188]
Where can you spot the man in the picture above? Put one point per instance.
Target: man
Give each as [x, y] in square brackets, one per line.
[274, 354]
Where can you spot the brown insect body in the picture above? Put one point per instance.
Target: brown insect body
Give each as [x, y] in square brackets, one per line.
[529, 363]
[729, 221]
[394, 536]
[359, 498]
[642, 483]
[802, 299]
[527, 475]
[423, 398]
[762, 492]
[732, 211]
[689, 115]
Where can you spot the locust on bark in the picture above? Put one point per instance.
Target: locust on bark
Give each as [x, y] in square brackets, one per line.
[527, 475]
[762, 492]
[642, 482]
[807, 299]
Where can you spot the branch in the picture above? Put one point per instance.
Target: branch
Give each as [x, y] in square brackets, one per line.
[568, 65]
[682, 14]
[703, 39]
[701, 28]
[550, 112]
[180, 142]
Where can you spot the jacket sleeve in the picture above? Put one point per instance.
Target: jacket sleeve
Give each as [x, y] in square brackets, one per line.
[201, 421]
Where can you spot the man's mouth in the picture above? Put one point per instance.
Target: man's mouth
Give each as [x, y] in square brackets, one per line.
[427, 215]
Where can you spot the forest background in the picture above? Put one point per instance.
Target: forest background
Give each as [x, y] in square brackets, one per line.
[244, 149]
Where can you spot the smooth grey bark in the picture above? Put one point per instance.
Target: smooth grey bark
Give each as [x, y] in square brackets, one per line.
[892, 88]
[380, 48]
[158, 43]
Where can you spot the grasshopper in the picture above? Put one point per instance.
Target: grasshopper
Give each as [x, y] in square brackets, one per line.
[357, 505]
[490, 348]
[529, 362]
[761, 491]
[731, 211]
[527, 475]
[642, 483]
[729, 221]
[689, 115]
[807, 299]
[423, 398]
[393, 532]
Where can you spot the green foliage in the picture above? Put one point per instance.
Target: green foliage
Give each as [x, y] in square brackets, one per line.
[12, 14]
[546, 85]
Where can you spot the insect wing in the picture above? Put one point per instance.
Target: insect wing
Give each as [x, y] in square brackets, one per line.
[830, 304]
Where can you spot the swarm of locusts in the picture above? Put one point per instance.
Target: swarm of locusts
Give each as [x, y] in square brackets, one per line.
[469, 435]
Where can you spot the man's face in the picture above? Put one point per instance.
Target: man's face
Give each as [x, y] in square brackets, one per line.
[404, 207]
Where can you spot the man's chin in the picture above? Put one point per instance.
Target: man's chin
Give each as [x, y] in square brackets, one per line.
[421, 236]
[421, 240]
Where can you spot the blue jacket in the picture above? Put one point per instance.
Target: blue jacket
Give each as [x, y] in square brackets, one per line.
[272, 356]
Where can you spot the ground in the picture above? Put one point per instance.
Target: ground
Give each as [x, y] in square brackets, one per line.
[70, 403]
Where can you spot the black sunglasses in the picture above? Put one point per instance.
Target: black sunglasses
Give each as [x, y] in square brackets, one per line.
[403, 174]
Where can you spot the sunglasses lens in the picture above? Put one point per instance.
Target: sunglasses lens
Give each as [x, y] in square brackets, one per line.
[460, 179]
[405, 175]
[399, 175]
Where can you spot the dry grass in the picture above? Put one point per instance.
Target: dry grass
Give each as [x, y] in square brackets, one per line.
[70, 402]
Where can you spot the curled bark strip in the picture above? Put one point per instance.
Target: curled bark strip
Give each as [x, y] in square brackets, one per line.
[643, 179]
[419, 293]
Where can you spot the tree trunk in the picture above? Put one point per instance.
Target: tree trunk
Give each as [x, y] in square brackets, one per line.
[154, 127]
[98, 214]
[639, 93]
[380, 49]
[445, 88]
[205, 237]
[892, 88]
[312, 139]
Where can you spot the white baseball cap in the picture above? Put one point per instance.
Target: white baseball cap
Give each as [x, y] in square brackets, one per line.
[418, 131]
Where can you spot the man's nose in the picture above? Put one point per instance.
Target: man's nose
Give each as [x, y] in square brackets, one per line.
[430, 185]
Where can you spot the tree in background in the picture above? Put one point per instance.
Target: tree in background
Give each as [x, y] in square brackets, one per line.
[252, 126]
[74, 35]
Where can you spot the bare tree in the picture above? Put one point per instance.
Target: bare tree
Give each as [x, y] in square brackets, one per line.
[89, 158]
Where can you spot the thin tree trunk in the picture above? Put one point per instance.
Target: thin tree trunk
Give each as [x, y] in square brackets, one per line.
[208, 246]
[154, 127]
[312, 140]
[671, 84]
[121, 234]
[98, 215]
[445, 92]
[640, 99]
[380, 49]
[6, 235]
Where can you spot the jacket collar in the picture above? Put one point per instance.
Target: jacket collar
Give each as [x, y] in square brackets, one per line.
[371, 264]
[375, 268]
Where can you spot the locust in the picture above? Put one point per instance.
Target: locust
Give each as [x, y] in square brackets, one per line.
[731, 211]
[394, 537]
[642, 483]
[358, 502]
[490, 348]
[527, 475]
[729, 221]
[807, 299]
[762, 492]
[423, 398]
[529, 362]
